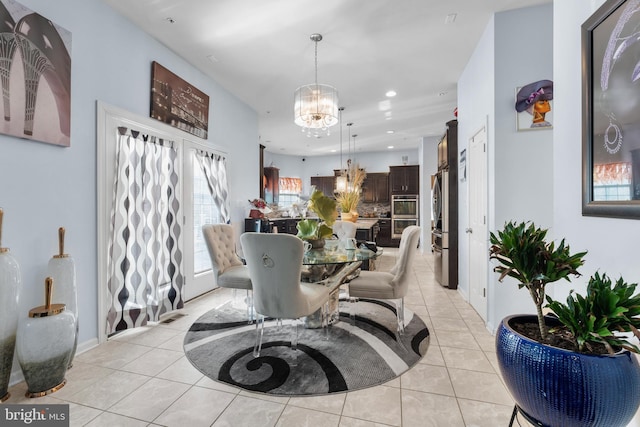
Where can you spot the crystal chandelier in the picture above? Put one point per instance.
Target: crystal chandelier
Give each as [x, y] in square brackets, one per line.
[316, 105]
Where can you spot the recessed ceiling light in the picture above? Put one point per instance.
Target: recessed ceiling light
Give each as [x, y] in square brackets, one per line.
[442, 93]
[390, 131]
[214, 60]
[390, 147]
[451, 18]
[333, 151]
[391, 94]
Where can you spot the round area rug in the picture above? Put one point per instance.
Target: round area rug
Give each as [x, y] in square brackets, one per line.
[220, 345]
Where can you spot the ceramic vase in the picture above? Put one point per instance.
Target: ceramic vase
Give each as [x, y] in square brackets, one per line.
[9, 292]
[63, 272]
[44, 345]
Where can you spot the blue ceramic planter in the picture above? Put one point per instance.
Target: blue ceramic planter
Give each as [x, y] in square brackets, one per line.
[561, 388]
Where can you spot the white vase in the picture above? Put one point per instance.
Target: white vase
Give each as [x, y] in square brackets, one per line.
[44, 345]
[9, 293]
[62, 270]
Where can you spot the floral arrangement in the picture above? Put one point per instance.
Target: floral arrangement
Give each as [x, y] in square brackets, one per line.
[349, 197]
[258, 203]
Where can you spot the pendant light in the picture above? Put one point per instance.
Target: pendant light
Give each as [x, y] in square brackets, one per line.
[341, 180]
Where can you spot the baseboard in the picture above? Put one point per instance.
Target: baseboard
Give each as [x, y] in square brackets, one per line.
[16, 372]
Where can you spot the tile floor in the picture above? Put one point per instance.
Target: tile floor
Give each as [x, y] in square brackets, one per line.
[142, 378]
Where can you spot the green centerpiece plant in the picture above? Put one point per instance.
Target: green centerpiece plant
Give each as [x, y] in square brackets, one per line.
[317, 229]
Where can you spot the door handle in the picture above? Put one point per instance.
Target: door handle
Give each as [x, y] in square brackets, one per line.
[468, 230]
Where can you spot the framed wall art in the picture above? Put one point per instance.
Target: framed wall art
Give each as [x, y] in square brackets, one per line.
[178, 103]
[611, 111]
[533, 106]
[35, 70]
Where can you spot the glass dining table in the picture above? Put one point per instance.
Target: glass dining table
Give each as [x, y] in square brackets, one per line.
[332, 266]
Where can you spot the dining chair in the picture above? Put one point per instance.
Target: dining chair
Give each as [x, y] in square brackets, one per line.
[344, 229]
[228, 268]
[275, 263]
[392, 285]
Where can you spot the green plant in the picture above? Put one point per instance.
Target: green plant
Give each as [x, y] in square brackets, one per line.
[525, 256]
[606, 308]
[325, 208]
[349, 197]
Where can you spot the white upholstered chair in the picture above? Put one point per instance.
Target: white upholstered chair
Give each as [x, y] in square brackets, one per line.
[275, 263]
[393, 285]
[344, 229]
[229, 270]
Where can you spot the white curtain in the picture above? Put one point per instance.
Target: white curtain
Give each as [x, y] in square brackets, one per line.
[145, 277]
[214, 167]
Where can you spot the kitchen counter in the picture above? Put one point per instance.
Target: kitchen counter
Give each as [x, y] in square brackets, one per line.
[366, 223]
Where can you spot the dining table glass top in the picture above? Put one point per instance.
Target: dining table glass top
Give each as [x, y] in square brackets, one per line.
[338, 255]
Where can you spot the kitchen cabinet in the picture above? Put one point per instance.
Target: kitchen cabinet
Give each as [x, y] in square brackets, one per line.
[326, 184]
[384, 235]
[271, 183]
[375, 188]
[404, 179]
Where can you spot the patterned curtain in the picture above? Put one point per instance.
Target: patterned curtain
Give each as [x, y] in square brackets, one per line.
[214, 167]
[145, 277]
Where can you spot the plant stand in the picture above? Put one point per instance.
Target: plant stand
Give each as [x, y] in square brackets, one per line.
[530, 420]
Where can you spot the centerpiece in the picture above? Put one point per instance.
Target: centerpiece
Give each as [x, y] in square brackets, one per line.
[574, 368]
[348, 196]
[315, 231]
[258, 208]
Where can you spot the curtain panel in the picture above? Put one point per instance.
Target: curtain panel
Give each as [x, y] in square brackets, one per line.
[214, 167]
[145, 276]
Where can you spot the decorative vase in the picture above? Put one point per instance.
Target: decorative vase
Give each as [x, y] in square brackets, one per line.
[9, 292]
[317, 243]
[63, 272]
[350, 216]
[44, 345]
[557, 387]
[255, 214]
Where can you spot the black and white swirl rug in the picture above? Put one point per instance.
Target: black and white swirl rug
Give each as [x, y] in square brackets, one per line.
[220, 345]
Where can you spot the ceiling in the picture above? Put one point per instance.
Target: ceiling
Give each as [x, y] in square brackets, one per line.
[261, 52]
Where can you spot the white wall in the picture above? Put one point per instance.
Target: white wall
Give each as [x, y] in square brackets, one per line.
[45, 186]
[520, 164]
[612, 243]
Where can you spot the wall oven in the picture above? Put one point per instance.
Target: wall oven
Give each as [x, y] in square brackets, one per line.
[404, 213]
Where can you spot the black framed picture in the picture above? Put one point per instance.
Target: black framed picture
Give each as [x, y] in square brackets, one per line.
[611, 111]
[178, 103]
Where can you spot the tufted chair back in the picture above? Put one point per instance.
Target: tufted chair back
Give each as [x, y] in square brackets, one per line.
[344, 229]
[222, 247]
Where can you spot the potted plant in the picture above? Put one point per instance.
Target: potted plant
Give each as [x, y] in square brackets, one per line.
[348, 197]
[316, 231]
[559, 369]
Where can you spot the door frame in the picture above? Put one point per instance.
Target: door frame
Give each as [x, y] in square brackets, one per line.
[484, 185]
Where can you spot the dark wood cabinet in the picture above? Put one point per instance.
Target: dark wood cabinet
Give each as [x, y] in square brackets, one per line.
[404, 179]
[326, 184]
[384, 235]
[271, 183]
[375, 188]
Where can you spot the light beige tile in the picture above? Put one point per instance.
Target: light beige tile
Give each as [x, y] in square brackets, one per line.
[81, 376]
[149, 335]
[459, 339]
[148, 401]
[429, 410]
[481, 386]
[293, 416]
[443, 311]
[354, 422]
[109, 389]
[433, 356]
[197, 407]
[462, 358]
[107, 419]
[152, 362]
[331, 403]
[481, 414]
[80, 415]
[113, 354]
[378, 404]
[182, 371]
[427, 378]
[486, 343]
[263, 396]
[217, 385]
[448, 324]
[175, 343]
[249, 412]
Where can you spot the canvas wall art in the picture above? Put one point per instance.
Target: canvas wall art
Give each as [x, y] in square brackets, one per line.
[533, 106]
[178, 103]
[35, 72]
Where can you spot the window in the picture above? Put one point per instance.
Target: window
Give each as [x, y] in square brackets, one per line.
[290, 189]
[612, 181]
[204, 212]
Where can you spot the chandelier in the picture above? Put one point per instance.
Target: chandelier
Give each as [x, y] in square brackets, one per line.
[316, 105]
